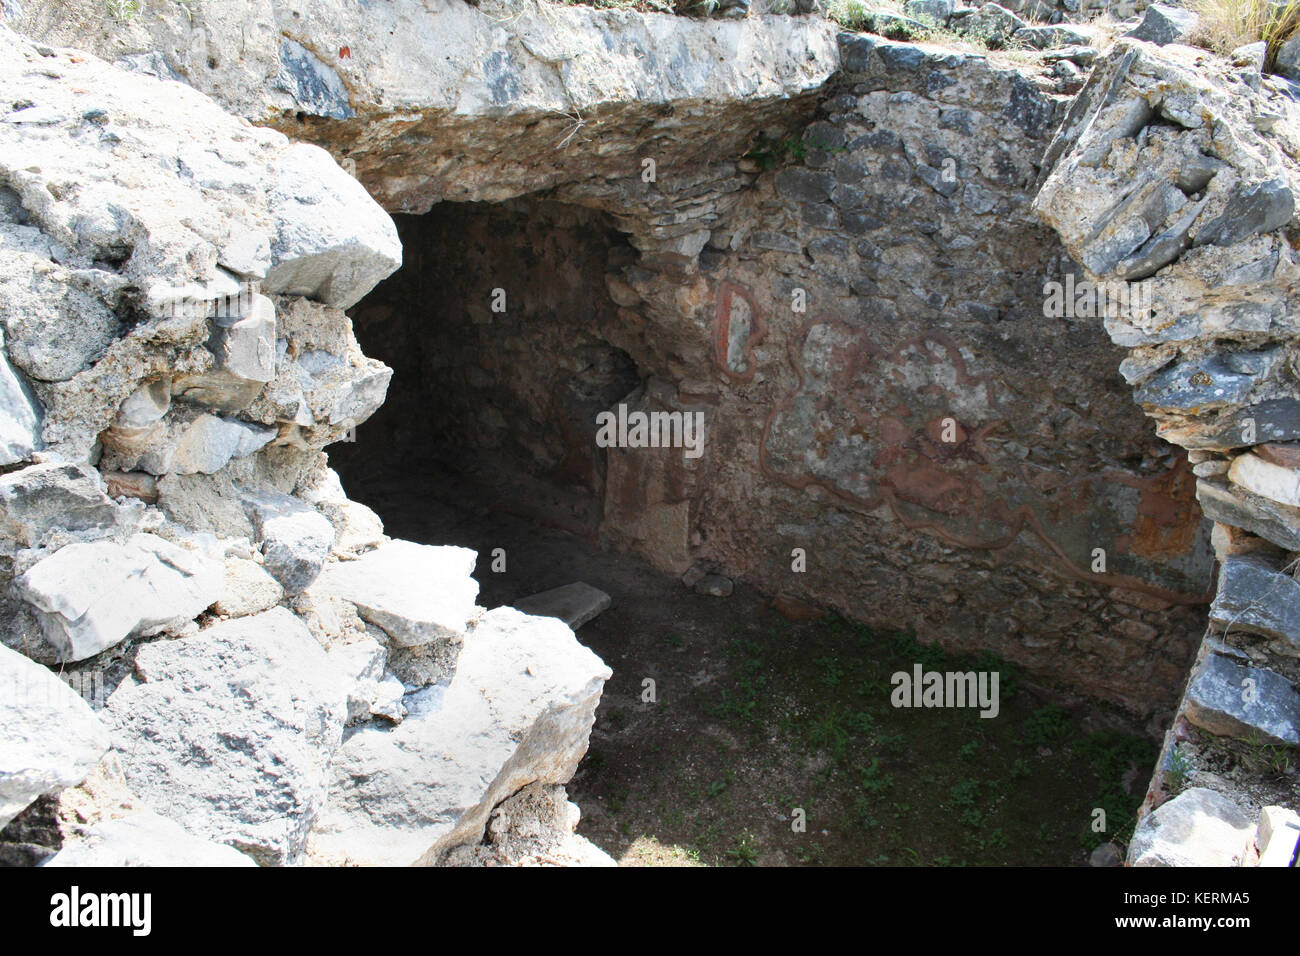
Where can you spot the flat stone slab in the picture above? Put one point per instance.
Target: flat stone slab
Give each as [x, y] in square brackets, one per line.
[574, 604]
[1254, 596]
[1238, 507]
[91, 596]
[1196, 828]
[1231, 700]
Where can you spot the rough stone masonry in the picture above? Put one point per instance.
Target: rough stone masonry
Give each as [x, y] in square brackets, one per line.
[858, 317]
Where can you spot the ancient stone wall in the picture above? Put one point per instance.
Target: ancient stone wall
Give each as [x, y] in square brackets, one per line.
[839, 252]
[1181, 172]
[885, 281]
[829, 302]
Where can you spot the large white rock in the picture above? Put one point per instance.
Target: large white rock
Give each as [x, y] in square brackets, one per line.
[91, 596]
[417, 594]
[499, 81]
[1277, 835]
[1199, 827]
[229, 732]
[145, 839]
[518, 711]
[334, 243]
[49, 736]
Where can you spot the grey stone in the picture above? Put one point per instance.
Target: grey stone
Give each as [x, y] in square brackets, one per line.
[57, 320]
[49, 737]
[1199, 827]
[42, 499]
[1108, 854]
[1050, 37]
[420, 596]
[247, 589]
[992, 23]
[935, 179]
[372, 692]
[937, 10]
[1257, 208]
[1162, 23]
[517, 711]
[333, 242]
[20, 416]
[775, 241]
[1235, 506]
[1288, 58]
[1085, 56]
[714, 585]
[242, 342]
[1215, 381]
[1255, 597]
[804, 185]
[317, 89]
[1274, 420]
[194, 442]
[153, 63]
[574, 604]
[1250, 55]
[230, 732]
[1222, 700]
[295, 538]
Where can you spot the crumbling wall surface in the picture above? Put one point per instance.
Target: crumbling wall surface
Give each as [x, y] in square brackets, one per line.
[1176, 170]
[865, 336]
[244, 644]
[441, 99]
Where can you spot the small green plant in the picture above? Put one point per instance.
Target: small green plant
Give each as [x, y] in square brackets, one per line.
[1179, 770]
[123, 11]
[850, 14]
[1265, 756]
[718, 787]
[1050, 724]
[964, 792]
[744, 853]
[827, 733]
[873, 780]
[832, 672]
[768, 153]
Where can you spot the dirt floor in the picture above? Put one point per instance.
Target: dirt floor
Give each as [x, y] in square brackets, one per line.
[771, 742]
